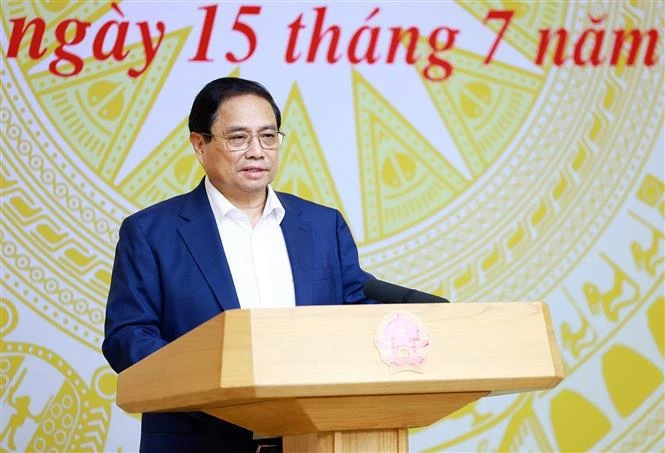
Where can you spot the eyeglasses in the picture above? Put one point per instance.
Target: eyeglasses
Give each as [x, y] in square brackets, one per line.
[239, 141]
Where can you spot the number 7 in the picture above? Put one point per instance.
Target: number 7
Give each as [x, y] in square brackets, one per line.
[504, 15]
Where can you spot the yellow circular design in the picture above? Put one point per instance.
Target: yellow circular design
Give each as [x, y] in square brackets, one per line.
[8, 317]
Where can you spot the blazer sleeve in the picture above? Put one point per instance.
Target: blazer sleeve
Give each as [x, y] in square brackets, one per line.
[353, 277]
[133, 310]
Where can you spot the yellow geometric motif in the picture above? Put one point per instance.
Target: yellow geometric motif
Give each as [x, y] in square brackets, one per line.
[630, 378]
[648, 256]
[68, 415]
[32, 259]
[588, 156]
[404, 179]
[651, 193]
[524, 424]
[622, 293]
[576, 341]
[303, 168]
[578, 424]
[170, 169]
[574, 144]
[101, 111]
[655, 316]
[483, 106]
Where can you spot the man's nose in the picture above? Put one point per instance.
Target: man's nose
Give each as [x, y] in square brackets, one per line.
[254, 149]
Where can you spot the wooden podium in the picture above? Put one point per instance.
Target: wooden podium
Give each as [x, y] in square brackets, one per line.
[347, 378]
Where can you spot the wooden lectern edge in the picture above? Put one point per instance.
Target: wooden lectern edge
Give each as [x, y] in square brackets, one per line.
[551, 383]
[217, 396]
[186, 402]
[507, 384]
[554, 348]
[370, 412]
[195, 359]
[239, 396]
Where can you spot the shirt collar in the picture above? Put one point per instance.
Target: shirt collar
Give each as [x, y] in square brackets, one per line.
[274, 206]
[221, 206]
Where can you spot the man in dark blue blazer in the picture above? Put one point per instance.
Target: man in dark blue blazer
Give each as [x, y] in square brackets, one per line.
[172, 272]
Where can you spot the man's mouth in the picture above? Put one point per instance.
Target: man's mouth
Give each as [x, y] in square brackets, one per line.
[254, 170]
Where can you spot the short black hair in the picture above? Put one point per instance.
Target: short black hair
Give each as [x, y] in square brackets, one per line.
[215, 93]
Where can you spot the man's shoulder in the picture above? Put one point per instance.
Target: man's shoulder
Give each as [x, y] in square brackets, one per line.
[162, 211]
[294, 202]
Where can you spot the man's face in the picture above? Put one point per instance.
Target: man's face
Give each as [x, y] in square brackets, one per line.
[239, 175]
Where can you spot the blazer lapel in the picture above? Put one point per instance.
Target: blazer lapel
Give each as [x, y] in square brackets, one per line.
[300, 246]
[202, 239]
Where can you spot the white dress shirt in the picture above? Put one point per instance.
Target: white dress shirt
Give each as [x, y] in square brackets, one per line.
[257, 257]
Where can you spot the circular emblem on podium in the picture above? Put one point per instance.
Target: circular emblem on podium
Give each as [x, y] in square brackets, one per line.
[402, 340]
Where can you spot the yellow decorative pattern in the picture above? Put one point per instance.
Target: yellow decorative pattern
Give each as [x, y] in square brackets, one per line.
[483, 106]
[171, 169]
[578, 424]
[404, 179]
[564, 202]
[655, 316]
[524, 426]
[303, 168]
[624, 368]
[67, 415]
[91, 110]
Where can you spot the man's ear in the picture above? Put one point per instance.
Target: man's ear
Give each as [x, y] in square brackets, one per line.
[197, 142]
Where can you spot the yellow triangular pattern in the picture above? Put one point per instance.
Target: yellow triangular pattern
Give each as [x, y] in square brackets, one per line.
[101, 111]
[303, 168]
[523, 31]
[170, 169]
[630, 377]
[577, 423]
[483, 106]
[53, 12]
[404, 179]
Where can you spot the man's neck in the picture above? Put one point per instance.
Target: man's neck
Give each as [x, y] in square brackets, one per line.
[252, 204]
[253, 212]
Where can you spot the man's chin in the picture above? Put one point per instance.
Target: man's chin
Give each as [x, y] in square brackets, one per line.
[255, 186]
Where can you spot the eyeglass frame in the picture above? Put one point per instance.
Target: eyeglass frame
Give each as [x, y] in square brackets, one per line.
[281, 134]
